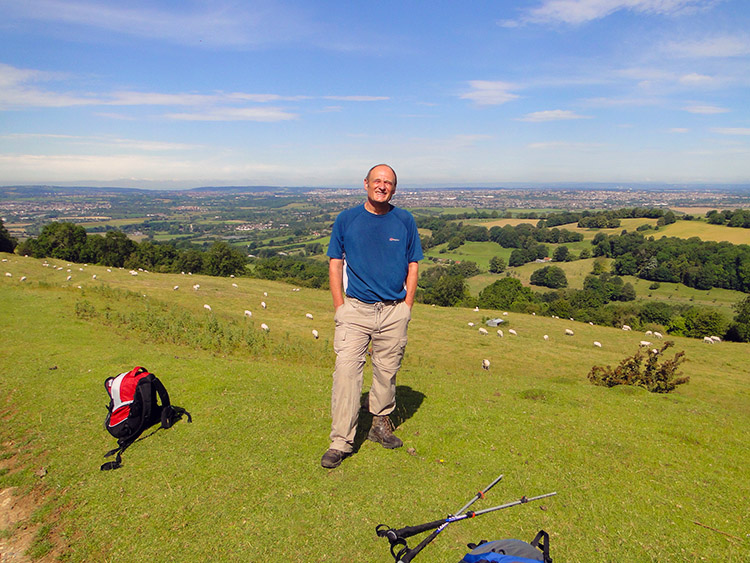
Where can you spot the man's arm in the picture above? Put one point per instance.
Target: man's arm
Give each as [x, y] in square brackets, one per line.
[412, 277]
[336, 281]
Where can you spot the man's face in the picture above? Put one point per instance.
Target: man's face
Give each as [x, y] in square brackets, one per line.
[380, 185]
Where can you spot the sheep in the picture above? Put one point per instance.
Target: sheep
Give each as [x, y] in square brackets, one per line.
[715, 338]
[234, 285]
[505, 313]
[8, 275]
[476, 309]
[597, 344]
[309, 315]
[658, 334]
[263, 304]
[569, 332]
[264, 326]
[649, 333]
[645, 343]
[483, 331]
[133, 273]
[626, 327]
[470, 324]
[207, 307]
[23, 278]
[93, 277]
[500, 333]
[513, 332]
[248, 313]
[486, 365]
[315, 334]
[707, 340]
[197, 286]
[109, 270]
[69, 278]
[265, 294]
[175, 288]
[546, 337]
[592, 324]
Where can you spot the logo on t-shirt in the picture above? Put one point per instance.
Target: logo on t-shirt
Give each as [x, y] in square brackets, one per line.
[394, 239]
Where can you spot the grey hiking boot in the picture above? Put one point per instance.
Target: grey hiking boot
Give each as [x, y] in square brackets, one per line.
[332, 458]
[382, 433]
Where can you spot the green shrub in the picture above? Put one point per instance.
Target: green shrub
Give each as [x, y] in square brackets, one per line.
[643, 371]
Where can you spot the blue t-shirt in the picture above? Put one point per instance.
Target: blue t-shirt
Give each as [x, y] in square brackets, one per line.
[376, 250]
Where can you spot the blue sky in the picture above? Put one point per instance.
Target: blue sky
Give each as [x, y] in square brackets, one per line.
[184, 93]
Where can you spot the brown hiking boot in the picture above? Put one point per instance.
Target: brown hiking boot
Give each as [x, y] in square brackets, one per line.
[382, 433]
[333, 458]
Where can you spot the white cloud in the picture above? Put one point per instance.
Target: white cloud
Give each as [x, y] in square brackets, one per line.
[577, 12]
[695, 79]
[712, 47]
[489, 93]
[546, 145]
[732, 130]
[552, 115]
[266, 114]
[679, 130]
[705, 110]
[357, 98]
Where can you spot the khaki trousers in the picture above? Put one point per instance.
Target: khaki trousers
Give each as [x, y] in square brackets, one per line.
[358, 324]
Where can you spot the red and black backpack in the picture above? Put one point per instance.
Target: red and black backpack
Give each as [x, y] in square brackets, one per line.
[137, 401]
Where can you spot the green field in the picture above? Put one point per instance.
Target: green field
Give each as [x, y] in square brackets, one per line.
[639, 477]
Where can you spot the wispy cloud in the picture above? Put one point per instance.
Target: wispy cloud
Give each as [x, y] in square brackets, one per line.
[705, 110]
[267, 114]
[577, 12]
[731, 130]
[546, 145]
[552, 115]
[679, 130]
[711, 47]
[489, 93]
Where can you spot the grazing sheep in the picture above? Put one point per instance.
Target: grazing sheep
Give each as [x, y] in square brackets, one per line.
[234, 285]
[315, 334]
[207, 307]
[483, 331]
[9, 275]
[513, 332]
[265, 294]
[248, 313]
[500, 333]
[69, 278]
[133, 273]
[175, 288]
[715, 338]
[23, 278]
[505, 313]
[626, 327]
[486, 365]
[109, 270]
[309, 315]
[569, 332]
[263, 304]
[658, 334]
[645, 343]
[264, 326]
[592, 324]
[649, 333]
[572, 319]
[476, 309]
[597, 344]
[707, 340]
[93, 277]
[470, 324]
[196, 287]
[546, 337]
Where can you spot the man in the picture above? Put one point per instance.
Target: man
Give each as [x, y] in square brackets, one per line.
[374, 264]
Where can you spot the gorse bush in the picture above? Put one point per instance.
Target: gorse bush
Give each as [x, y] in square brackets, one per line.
[643, 371]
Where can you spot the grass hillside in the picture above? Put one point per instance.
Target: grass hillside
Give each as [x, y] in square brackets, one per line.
[639, 477]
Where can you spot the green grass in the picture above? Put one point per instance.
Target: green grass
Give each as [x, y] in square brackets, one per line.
[633, 471]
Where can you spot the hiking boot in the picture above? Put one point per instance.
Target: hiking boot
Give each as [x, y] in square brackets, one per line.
[332, 458]
[382, 433]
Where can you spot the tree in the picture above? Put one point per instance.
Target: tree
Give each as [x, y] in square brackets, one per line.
[739, 331]
[223, 260]
[549, 276]
[503, 293]
[447, 291]
[561, 254]
[62, 240]
[497, 265]
[7, 242]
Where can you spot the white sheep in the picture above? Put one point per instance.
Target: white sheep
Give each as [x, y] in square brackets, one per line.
[309, 315]
[626, 327]
[207, 307]
[315, 334]
[93, 277]
[483, 331]
[263, 304]
[265, 294]
[248, 313]
[715, 338]
[486, 364]
[69, 278]
[175, 288]
[471, 324]
[264, 326]
[23, 278]
[234, 285]
[645, 343]
[546, 337]
[8, 275]
[133, 273]
[649, 333]
[505, 313]
[658, 334]
[592, 324]
[597, 344]
[476, 309]
[513, 332]
[569, 332]
[500, 333]
[707, 340]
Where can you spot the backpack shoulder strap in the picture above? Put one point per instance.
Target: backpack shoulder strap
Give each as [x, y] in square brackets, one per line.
[541, 541]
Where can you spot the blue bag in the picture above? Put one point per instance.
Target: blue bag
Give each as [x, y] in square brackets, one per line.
[510, 551]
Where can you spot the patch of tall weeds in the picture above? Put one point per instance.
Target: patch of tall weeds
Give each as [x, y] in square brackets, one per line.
[652, 371]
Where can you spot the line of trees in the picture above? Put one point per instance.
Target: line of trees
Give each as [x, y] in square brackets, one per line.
[70, 242]
[606, 219]
[7, 242]
[736, 218]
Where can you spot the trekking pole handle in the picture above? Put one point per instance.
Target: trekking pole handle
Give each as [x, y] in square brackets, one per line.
[479, 495]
